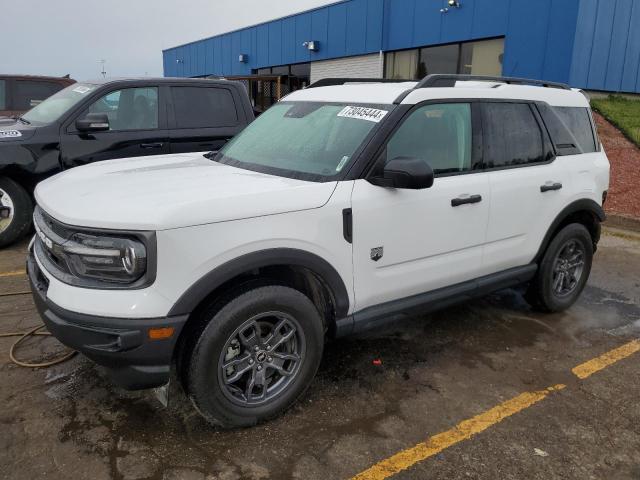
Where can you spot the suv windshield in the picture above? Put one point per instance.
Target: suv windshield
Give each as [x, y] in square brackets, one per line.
[55, 106]
[307, 140]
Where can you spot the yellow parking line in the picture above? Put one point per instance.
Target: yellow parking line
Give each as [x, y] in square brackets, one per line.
[17, 273]
[592, 366]
[463, 431]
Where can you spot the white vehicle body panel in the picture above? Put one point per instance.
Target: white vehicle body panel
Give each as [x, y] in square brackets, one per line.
[171, 191]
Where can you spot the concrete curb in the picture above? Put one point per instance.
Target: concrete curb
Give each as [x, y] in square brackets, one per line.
[622, 222]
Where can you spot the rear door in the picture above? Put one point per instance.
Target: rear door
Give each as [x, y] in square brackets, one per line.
[203, 118]
[137, 127]
[529, 185]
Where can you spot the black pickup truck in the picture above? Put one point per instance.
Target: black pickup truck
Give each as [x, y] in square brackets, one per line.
[100, 120]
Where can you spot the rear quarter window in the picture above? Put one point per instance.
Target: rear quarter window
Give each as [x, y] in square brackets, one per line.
[204, 107]
[570, 129]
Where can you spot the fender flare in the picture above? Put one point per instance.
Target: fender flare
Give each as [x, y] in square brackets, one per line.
[583, 205]
[197, 292]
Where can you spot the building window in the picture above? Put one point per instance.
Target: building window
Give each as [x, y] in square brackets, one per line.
[483, 57]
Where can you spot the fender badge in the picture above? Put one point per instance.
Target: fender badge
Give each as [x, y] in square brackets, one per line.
[10, 134]
[377, 253]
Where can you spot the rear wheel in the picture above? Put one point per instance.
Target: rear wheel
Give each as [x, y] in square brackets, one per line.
[16, 209]
[255, 356]
[564, 270]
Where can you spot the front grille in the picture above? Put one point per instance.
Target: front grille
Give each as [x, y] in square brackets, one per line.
[50, 236]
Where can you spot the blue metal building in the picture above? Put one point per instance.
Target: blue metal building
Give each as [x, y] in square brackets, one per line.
[590, 44]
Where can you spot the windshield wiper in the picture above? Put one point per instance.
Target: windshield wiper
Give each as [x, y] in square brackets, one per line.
[23, 120]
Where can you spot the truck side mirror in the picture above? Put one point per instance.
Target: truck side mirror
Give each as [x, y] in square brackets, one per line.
[405, 172]
[93, 122]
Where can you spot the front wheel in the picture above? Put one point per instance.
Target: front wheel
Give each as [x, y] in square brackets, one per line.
[255, 357]
[16, 209]
[564, 270]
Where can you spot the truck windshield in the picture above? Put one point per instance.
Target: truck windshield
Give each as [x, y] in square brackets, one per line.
[55, 106]
[306, 140]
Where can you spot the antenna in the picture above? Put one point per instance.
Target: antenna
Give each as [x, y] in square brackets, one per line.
[103, 72]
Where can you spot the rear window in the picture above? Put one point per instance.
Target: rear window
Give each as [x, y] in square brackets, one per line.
[202, 107]
[29, 93]
[512, 135]
[570, 129]
[3, 95]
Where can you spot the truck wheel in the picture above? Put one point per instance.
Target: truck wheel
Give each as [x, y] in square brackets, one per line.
[16, 209]
[564, 270]
[255, 356]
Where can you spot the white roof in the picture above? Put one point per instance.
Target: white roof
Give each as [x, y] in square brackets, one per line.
[387, 93]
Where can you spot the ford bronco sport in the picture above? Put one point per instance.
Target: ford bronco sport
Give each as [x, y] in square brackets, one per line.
[340, 208]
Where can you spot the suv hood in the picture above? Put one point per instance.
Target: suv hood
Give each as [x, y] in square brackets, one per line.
[171, 191]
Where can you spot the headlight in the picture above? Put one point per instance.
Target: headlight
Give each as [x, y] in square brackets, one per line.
[108, 259]
[90, 258]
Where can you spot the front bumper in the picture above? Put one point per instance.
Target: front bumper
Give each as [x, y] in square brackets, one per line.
[121, 345]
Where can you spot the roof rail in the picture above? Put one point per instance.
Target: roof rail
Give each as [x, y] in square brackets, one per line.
[448, 80]
[328, 82]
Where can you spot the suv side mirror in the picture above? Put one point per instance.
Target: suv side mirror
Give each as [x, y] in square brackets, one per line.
[405, 172]
[93, 122]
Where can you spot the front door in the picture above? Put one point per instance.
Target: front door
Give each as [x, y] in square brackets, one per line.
[407, 242]
[137, 127]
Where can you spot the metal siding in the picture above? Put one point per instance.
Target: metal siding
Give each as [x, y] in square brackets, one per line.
[490, 18]
[399, 23]
[303, 34]
[560, 38]
[217, 56]
[601, 44]
[630, 80]
[356, 27]
[275, 43]
[526, 38]
[427, 23]
[457, 24]
[375, 25]
[319, 29]
[289, 44]
[236, 49]
[583, 44]
[619, 39]
[263, 46]
[337, 31]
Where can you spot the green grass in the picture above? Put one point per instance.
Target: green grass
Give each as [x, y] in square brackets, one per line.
[623, 113]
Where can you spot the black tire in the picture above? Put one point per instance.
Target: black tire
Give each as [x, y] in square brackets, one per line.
[543, 291]
[22, 212]
[223, 339]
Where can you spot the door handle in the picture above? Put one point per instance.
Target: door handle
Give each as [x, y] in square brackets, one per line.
[551, 186]
[151, 145]
[456, 202]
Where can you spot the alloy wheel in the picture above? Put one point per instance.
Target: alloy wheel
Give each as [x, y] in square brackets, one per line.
[6, 210]
[568, 268]
[261, 358]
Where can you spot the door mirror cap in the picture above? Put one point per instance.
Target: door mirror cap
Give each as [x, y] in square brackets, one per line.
[405, 172]
[93, 122]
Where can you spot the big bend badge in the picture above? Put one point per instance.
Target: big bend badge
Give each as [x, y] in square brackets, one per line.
[377, 253]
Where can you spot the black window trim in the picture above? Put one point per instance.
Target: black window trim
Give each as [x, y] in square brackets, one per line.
[173, 122]
[70, 120]
[547, 146]
[364, 166]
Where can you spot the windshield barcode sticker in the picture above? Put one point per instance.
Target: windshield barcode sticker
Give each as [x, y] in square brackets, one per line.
[82, 89]
[363, 113]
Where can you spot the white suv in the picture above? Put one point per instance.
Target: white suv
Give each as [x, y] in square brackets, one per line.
[340, 208]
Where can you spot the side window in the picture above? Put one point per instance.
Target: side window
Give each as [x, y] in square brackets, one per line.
[29, 93]
[129, 109]
[441, 135]
[512, 135]
[202, 107]
[570, 129]
[3, 94]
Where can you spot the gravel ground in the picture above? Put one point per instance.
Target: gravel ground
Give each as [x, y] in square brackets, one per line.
[624, 192]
